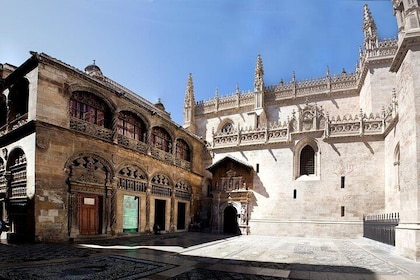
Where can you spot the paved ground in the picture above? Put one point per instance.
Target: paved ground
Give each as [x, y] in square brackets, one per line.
[206, 256]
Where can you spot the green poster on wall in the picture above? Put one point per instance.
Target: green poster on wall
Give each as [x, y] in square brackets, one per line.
[131, 213]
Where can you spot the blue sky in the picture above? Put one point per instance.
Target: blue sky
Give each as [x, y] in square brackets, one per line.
[150, 46]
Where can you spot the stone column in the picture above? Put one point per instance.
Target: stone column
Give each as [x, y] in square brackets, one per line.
[172, 226]
[148, 194]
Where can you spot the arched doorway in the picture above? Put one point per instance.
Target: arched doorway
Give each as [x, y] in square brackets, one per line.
[90, 187]
[230, 220]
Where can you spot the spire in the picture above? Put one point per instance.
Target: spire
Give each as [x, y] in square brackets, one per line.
[189, 105]
[369, 29]
[259, 75]
[189, 92]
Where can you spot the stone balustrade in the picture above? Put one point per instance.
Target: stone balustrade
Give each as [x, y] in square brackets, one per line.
[139, 146]
[335, 127]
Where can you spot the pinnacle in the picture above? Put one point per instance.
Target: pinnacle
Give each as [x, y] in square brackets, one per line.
[367, 18]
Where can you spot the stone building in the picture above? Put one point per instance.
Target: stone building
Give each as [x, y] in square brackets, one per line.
[83, 156]
[312, 158]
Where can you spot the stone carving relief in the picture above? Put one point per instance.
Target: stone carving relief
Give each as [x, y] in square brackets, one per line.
[230, 181]
[342, 169]
[132, 178]
[183, 190]
[88, 169]
[160, 179]
[132, 172]
[42, 142]
[311, 117]
[403, 78]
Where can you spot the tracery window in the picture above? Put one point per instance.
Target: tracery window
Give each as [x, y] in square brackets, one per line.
[161, 139]
[227, 128]
[17, 165]
[132, 178]
[131, 126]
[89, 108]
[182, 150]
[307, 161]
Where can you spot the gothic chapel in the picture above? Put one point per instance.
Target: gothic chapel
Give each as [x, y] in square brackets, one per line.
[321, 157]
[82, 156]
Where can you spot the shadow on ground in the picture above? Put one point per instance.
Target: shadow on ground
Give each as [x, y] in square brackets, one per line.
[65, 260]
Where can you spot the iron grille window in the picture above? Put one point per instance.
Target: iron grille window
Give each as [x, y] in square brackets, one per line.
[87, 113]
[182, 150]
[307, 161]
[161, 139]
[131, 126]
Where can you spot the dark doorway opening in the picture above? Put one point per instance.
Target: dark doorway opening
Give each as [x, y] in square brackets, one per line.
[160, 209]
[181, 215]
[230, 224]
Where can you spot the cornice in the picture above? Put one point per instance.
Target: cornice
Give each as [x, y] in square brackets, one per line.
[410, 39]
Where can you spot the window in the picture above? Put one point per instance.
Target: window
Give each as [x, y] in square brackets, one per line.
[161, 139]
[18, 99]
[3, 110]
[131, 126]
[182, 150]
[307, 161]
[89, 108]
[227, 128]
[343, 178]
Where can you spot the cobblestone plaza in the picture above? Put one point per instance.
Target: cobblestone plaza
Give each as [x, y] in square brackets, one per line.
[206, 256]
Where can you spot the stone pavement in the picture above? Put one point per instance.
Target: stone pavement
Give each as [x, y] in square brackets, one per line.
[195, 255]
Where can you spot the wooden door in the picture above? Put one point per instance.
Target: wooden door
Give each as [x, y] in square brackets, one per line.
[88, 214]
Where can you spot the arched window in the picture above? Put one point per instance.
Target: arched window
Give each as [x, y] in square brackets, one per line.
[18, 99]
[182, 150]
[161, 139]
[16, 164]
[131, 126]
[90, 108]
[227, 128]
[307, 161]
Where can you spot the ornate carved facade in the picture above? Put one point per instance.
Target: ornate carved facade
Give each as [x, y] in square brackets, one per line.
[322, 153]
[82, 155]
[85, 156]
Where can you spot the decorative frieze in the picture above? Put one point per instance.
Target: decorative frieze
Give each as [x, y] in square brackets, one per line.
[382, 50]
[309, 119]
[91, 129]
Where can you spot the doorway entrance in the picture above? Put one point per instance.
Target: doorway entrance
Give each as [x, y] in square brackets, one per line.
[89, 214]
[160, 210]
[230, 220]
[181, 215]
